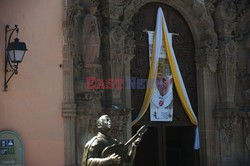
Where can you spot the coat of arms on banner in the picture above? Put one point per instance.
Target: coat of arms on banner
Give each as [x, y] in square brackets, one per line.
[161, 106]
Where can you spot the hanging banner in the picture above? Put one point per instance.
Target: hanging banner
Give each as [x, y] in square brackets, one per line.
[161, 105]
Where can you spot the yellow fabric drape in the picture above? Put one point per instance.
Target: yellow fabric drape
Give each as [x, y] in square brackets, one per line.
[176, 77]
[174, 69]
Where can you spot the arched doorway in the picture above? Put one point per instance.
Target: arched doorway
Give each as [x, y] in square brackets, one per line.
[168, 143]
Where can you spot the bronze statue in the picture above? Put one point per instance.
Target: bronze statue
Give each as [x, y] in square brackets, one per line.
[104, 150]
[91, 37]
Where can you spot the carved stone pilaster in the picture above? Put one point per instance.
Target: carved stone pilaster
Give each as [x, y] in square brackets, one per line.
[243, 36]
[225, 21]
[229, 133]
[69, 107]
[206, 65]
[117, 39]
[227, 73]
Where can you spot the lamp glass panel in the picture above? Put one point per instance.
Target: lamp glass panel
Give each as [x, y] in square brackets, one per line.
[16, 56]
[19, 55]
[12, 55]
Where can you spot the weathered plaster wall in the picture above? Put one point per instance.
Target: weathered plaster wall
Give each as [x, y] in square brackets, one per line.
[32, 105]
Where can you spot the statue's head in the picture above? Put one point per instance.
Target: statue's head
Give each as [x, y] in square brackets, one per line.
[104, 123]
[91, 6]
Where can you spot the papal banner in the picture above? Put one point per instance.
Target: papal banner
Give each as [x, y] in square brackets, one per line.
[161, 105]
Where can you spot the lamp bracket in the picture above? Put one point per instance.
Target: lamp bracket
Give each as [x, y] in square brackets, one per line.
[14, 68]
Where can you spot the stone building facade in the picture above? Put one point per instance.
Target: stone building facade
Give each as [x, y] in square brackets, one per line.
[221, 44]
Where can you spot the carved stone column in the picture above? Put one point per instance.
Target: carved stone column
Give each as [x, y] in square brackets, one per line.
[206, 65]
[114, 54]
[225, 16]
[68, 105]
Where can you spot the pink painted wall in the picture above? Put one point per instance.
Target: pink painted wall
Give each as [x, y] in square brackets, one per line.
[32, 105]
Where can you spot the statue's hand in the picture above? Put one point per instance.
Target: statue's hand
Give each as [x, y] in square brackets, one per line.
[136, 143]
[115, 159]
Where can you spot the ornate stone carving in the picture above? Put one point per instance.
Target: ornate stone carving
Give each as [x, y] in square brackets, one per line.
[232, 128]
[243, 34]
[73, 13]
[117, 36]
[226, 10]
[225, 17]
[243, 25]
[207, 56]
[244, 78]
[210, 8]
[227, 72]
[228, 126]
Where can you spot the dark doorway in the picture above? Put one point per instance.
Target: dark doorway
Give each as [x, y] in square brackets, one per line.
[165, 143]
[148, 150]
[167, 146]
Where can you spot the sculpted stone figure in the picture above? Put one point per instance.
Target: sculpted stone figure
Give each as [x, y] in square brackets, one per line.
[93, 151]
[91, 38]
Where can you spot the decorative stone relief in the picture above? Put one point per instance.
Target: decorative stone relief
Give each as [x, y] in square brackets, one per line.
[73, 13]
[243, 33]
[207, 56]
[228, 126]
[225, 17]
[117, 36]
[227, 72]
[232, 129]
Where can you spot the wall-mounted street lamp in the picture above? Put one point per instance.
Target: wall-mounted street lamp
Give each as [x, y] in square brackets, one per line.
[14, 53]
